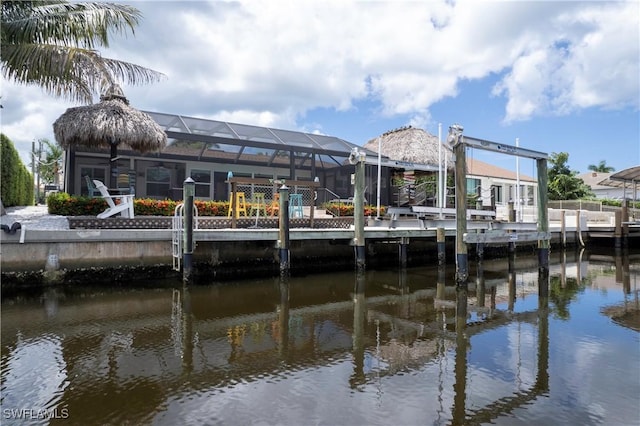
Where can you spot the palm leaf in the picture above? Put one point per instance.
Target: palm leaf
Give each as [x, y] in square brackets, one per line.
[51, 44]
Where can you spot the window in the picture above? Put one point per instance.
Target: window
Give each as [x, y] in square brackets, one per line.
[474, 187]
[203, 182]
[158, 181]
[496, 193]
[529, 198]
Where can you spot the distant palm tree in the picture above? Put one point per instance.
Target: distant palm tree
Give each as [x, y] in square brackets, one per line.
[53, 44]
[601, 167]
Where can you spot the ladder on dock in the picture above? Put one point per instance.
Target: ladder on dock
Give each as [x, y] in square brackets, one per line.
[177, 234]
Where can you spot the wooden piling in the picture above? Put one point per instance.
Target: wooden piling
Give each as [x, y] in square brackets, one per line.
[187, 256]
[358, 213]
[462, 268]
[441, 243]
[543, 213]
[563, 228]
[283, 228]
[402, 251]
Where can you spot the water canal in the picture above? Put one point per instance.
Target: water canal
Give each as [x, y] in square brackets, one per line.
[334, 349]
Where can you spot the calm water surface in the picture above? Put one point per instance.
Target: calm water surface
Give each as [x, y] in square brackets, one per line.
[389, 347]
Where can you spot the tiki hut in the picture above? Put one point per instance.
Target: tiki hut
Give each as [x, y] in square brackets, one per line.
[412, 145]
[109, 123]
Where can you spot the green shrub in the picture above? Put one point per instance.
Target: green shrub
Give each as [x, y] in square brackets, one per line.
[16, 183]
[346, 209]
[61, 203]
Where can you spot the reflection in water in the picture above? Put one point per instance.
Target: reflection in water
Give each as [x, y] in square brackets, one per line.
[283, 315]
[460, 385]
[380, 347]
[359, 324]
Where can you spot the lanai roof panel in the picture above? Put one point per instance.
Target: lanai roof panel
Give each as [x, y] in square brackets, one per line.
[244, 134]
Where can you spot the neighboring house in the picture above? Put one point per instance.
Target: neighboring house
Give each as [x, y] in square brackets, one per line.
[594, 181]
[496, 186]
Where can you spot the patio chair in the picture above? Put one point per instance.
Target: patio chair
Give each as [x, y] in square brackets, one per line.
[124, 206]
[91, 188]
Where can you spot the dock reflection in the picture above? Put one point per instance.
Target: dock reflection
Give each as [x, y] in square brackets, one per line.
[144, 348]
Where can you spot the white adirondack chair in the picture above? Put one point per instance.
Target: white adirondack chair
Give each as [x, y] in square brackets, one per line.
[124, 208]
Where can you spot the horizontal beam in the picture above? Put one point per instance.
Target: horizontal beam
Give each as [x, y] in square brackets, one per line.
[497, 237]
[503, 148]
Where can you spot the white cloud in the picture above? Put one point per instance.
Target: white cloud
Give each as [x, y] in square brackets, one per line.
[591, 60]
[258, 63]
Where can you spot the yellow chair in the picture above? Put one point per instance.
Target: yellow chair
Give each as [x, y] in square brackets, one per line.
[240, 205]
[258, 204]
[275, 205]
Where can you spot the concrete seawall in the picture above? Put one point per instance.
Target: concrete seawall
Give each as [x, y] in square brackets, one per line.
[64, 256]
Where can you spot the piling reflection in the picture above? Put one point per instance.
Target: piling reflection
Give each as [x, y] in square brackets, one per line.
[460, 385]
[358, 377]
[146, 356]
[283, 316]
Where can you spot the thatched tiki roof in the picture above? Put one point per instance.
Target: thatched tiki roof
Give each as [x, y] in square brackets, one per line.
[110, 122]
[412, 145]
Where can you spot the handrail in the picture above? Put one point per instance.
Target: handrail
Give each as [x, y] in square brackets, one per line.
[331, 192]
[337, 197]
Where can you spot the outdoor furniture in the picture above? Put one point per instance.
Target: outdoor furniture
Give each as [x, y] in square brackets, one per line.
[295, 205]
[239, 205]
[258, 204]
[125, 184]
[275, 205]
[91, 188]
[118, 204]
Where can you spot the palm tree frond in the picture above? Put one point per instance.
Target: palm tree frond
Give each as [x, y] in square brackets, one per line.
[52, 44]
[84, 25]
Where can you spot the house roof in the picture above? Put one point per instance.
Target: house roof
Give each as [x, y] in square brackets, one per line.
[480, 168]
[593, 179]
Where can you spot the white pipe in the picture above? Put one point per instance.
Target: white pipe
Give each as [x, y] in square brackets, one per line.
[440, 168]
[379, 173]
[444, 181]
[518, 212]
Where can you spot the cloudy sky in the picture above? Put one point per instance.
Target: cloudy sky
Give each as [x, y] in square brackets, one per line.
[559, 76]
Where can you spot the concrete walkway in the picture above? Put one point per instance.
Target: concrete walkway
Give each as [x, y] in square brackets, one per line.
[34, 217]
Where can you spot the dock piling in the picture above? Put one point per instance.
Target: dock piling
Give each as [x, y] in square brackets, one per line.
[358, 158]
[459, 150]
[189, 187]
[283, 236]
[402, 251]
[440, 241]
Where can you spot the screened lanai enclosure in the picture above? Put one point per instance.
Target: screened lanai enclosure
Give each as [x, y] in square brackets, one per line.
[211, 151]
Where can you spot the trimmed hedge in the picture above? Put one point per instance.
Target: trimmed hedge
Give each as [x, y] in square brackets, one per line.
[61, 203]
[16, 183]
